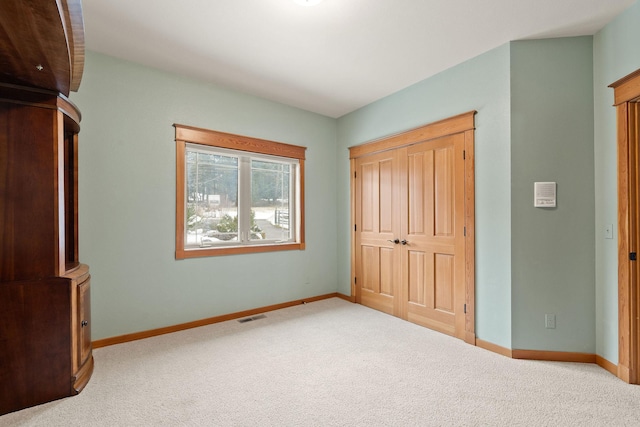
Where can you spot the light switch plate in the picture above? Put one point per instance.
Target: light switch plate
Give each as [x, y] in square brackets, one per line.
[608, 231]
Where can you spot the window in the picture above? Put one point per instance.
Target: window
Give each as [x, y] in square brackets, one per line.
[236, 194]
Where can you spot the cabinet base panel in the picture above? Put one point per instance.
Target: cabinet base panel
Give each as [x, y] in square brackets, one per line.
[82, 377]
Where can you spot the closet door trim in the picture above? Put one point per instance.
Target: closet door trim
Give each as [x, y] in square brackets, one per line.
[451, 126]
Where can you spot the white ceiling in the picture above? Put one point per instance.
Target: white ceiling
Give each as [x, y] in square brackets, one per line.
[332, 58]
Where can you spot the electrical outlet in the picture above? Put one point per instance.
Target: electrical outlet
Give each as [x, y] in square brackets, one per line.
[550, 321]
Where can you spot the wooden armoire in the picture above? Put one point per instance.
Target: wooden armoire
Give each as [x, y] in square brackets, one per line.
[45, 338]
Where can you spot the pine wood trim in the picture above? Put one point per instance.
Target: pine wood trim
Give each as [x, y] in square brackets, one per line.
[236, 250]
[486, 345]
[352, 187]
[180, 198]
[634, 229]
[633, 138]
[624, 373]
[554, 356]
[470, 240]
[627, 88]
[626, 92]
[346, 297]
[449, 126]
[208, 321]
[300, 223]
[624, 265]
[605, 364]
[238, 142]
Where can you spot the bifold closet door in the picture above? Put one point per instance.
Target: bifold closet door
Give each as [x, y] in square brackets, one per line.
[433, 257]
[378, 210]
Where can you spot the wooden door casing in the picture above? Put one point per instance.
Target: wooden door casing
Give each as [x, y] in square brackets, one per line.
[633, 119]
[626, 98]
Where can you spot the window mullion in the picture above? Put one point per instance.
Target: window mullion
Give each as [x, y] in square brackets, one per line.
[244, 200]
[293, 195]
[195, 200]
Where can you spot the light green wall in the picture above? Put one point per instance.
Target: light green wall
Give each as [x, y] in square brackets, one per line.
[127, 188]
[552, 251]
[480, 84]
[616, 53]
[127, 200]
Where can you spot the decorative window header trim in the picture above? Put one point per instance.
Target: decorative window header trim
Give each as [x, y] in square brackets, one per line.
[238, 142]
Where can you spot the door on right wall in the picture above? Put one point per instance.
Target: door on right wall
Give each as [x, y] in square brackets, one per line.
[627, 103]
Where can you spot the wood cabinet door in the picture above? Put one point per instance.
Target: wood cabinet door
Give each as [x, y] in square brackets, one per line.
[433, 249]
[378, 272]
[84, 317]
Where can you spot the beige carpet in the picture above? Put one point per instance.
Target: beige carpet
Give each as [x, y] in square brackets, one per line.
[331, 363]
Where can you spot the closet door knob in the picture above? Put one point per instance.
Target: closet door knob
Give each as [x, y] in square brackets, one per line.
[404, 242]
[395, 242]
[84, 323]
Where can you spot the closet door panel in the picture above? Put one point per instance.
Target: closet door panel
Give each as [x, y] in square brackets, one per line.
[369, 198]
[378, 273]
[387, 268]
[420, 192]
[434, 228]
[386, 205]
[420, 279]
[443, 191]
[370, 266]
[443, 282]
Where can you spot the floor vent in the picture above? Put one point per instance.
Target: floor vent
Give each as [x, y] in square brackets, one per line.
[249, 319]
